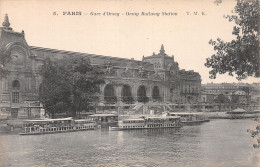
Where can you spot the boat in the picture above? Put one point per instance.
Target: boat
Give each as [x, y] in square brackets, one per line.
[150, 122]
[104, 119]
[48, 126]
[240, 113]
[188, 118]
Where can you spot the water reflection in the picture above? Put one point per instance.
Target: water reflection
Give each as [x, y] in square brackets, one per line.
[217, 143]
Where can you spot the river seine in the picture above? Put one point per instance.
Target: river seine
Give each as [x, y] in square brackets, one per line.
[215, 143]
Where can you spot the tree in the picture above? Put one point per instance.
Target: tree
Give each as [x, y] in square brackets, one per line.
[255, 133]
[221, 99]
[69, 85]
[235, 99]
[246, 89]
[241, 55]
[53, 93]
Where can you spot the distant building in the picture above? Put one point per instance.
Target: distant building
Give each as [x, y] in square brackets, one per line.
[236, 95]
[156, 77]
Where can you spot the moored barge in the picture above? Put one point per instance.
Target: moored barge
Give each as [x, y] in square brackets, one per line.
[151, 122]
[190, 118]
[48, 126]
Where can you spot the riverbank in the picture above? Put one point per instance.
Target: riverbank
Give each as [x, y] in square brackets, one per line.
[224, 115]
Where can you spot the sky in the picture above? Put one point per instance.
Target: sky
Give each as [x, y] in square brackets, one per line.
[185, 34]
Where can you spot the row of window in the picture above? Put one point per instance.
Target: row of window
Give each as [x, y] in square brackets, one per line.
[150, 126]
[221, 87]
[189, 89]
[215, 91]
[33, 129]
[15, 97]
[165, 125]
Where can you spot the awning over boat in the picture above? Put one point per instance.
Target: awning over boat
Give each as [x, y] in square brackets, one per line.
[185, 113]
[49, 120]
[103, 115]
[239, 110]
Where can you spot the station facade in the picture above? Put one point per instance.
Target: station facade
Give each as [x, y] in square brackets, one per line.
[157, 78]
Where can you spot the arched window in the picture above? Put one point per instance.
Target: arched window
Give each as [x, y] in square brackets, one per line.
[141, 94]
[127, 94]
[109, 94]
[156, 93]
[16, 85]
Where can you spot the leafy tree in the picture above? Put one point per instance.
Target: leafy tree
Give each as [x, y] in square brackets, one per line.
[221, 99]
[245, 89]
[255, 133]
[69, 85]
[234, 99]
[241, 55]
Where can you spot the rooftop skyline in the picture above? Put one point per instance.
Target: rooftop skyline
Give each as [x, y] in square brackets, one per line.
[138, 30]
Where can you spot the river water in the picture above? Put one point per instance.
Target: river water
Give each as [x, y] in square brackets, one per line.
[215, 143]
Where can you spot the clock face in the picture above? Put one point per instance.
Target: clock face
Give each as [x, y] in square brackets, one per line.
[17, 59]
[173, 71]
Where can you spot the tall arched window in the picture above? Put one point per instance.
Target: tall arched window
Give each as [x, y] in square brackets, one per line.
[127, 94]
[156, 93]
[109, 94]
[141, 94]
[16, 85]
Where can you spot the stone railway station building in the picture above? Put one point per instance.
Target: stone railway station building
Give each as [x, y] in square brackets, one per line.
[157, 77]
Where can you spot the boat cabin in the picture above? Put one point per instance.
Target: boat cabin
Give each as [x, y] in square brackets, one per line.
[104, 118]
[56, 125]
[186, 116]
[50, 124]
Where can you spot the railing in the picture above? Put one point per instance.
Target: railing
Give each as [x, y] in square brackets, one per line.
[110, 99]
[157, 98]
[127, 99]
[142, 99]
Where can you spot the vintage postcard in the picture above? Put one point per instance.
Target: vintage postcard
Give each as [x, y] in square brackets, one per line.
[129, 83]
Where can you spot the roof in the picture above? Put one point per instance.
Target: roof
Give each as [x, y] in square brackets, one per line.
[239, 110]
[103, 115]
[49, 120]
[134, 119]
[110, 58]
[161, 117]
[83, 120]
[150, 117]
[185, 113]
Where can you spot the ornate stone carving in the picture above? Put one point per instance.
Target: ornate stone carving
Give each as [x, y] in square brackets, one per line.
[156, 76]
[141, 73]
[127, 74]
[169, 66]
[110, 71]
